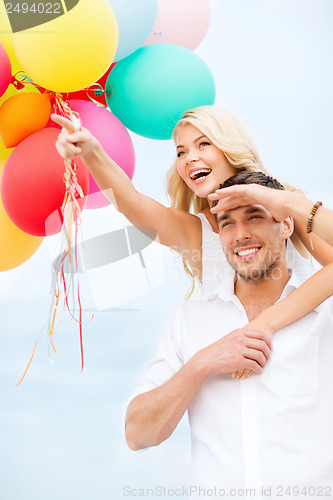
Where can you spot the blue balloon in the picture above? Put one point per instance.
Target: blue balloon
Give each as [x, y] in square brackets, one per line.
[136, 19]
[151, 89]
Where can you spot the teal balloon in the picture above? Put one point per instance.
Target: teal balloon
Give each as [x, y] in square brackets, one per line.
[153, 87]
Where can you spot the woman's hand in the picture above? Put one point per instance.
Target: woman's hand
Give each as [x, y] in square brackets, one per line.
[71, 143]
[274, 200]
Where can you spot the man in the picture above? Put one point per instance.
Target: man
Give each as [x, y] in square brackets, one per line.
[266, 435]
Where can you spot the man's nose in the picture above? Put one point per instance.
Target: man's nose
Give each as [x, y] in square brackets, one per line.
[243, 233]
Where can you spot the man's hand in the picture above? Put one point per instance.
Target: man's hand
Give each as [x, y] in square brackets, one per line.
[262, 324]
[274, 200]
[239, 350]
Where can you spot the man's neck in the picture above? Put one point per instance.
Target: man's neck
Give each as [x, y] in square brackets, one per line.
[257, 295]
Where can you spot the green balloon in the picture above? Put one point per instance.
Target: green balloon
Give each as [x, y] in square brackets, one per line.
[153, 87]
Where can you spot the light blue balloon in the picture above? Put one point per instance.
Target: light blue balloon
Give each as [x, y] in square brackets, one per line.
[151, 89]
[136, 19]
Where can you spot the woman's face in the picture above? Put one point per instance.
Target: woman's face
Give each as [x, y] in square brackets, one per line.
[200, 163]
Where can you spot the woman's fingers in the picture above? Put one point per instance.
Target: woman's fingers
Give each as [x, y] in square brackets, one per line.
[67, 151]
[63, 122]
[225, 204]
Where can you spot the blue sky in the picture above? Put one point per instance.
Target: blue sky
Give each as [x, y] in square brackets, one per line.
[62, 430]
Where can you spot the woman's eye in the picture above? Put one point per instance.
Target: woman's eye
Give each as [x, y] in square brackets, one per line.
[204, 143]
[180, 154]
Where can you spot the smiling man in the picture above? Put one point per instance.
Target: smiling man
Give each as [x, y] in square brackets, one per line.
[266, 435]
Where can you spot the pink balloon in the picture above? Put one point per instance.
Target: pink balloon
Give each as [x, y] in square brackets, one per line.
[182, 22]
[5, 70]
[114, 139]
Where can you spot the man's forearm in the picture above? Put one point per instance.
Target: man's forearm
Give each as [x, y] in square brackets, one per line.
[153, 416]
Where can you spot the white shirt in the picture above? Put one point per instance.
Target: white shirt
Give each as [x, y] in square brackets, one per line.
[215, 267]
[271, 430]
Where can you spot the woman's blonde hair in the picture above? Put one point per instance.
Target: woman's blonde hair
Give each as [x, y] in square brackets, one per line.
[230, 135]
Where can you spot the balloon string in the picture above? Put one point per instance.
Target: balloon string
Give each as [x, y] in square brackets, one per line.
[71, 213]
[71, 220]
[32, 356]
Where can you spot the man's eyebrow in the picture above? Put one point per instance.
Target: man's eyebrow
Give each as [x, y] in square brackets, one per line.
[195, 140]
[223, 217]
[252, 210]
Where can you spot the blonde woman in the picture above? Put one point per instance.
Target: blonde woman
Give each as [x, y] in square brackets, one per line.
[212, 145]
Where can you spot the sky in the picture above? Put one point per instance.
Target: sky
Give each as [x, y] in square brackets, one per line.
[62, 430]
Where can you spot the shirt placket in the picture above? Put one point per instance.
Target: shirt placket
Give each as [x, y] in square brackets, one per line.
[249, 423]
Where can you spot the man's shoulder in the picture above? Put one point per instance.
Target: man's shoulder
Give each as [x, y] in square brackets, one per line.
[195, 309]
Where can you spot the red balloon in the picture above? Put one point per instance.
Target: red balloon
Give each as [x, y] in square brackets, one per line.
[32, 186]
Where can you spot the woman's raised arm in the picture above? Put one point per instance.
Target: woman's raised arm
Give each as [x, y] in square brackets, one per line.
[176, 229]
[282, 204]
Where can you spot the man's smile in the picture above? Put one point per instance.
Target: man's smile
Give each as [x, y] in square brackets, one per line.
[248, 252]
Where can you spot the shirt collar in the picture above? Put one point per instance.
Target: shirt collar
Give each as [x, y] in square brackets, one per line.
[225, 290]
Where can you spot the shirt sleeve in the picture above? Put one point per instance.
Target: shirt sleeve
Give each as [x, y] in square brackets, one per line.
[168, 359]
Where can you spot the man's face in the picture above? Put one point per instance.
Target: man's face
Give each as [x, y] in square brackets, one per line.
[252, 241]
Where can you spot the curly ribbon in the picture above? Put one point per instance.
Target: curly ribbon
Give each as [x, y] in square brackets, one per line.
[71, 213]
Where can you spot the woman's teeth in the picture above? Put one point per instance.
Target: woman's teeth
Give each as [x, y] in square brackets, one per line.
[203, 172]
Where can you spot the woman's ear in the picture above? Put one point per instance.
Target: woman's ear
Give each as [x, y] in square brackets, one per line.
[287, 227]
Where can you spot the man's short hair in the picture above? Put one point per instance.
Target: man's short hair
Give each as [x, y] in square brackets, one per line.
[247, 177]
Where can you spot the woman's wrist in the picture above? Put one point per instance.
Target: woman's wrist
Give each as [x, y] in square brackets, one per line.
[265, 322]
[298, 206]
[93, 153]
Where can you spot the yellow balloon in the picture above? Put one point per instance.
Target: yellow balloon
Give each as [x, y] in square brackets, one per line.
[16, 246]
[6, 38]
[71, 51]
[4, 152]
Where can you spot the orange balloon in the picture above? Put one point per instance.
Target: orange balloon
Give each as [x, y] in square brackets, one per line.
[16, 246]
[22, 115]
[11, 91]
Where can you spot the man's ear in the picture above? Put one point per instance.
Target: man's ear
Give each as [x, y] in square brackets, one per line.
[287, 227]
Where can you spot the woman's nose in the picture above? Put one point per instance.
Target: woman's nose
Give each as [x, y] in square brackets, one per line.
[192, 156]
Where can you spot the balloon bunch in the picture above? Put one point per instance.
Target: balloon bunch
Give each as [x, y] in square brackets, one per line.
[134, 57]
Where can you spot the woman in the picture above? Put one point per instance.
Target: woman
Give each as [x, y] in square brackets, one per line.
[212, 145]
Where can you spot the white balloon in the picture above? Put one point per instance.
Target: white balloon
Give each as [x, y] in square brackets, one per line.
[135, 19]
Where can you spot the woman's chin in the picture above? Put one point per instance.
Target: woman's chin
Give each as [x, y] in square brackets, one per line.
[204, 191]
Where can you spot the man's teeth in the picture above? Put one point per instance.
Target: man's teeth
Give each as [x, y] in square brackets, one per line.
[247, 252]
[199, 173]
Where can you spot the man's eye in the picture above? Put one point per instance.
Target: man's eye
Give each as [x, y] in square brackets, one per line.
[255, 217]
[224, 224]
